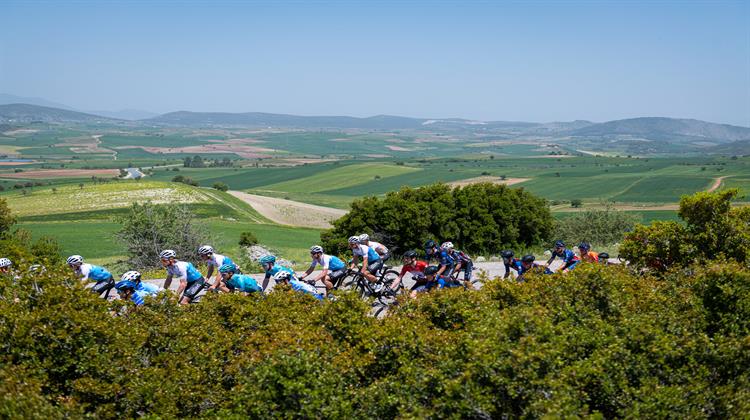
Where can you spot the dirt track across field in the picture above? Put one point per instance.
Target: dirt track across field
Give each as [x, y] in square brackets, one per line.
[491, 179]
[292, 213]
[716, 184]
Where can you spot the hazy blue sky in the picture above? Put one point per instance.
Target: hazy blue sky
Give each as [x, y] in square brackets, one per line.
[537, 61]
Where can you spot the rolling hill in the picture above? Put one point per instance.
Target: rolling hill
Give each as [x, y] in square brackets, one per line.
[666, 129]
[25, 113]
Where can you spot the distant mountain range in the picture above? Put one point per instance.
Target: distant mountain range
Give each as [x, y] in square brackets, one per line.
[653, 129]
[124, 114]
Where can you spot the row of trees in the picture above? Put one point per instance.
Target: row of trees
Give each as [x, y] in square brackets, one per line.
[198, 162]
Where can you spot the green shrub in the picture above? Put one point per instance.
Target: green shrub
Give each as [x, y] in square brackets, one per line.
[248, 238]
[480, 219]
[601, 227]
[220, 186]
[148, 229]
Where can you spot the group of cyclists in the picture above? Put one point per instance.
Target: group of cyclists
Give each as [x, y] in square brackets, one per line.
[445, 272]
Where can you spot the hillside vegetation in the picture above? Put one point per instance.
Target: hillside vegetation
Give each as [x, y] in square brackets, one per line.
[600, 341]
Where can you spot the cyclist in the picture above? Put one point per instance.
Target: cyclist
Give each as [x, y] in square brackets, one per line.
[444, 259]
[268, 262]
[232, 280]
[587, 255]
[462, 262]
[510, 263]
[603, 258]
[381, 249]
[131, 287]
[528, 264]
[412, 266]
[284, 277]
[103, 278]
[213, 261]
[191, 280]
[333, 268]
[5, 265]
[570, 259]
[371, 261]
[432, 279]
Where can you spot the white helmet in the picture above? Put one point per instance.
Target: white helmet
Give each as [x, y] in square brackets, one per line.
[205, 250]
[133, 276]
[354, 239]
[4, 262]
[316, 249]
[167, 254]
[282, 275]
[75, 259]
[447, 245]
[364, 237]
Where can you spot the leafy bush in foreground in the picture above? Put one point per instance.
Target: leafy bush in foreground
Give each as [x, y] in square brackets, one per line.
[596, 341]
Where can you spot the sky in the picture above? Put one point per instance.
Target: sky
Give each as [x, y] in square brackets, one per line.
[516, 61]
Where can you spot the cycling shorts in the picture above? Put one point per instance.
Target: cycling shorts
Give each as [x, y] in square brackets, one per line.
[103, 286]
[335, 275]
[467, 268]
[373, 268]
[192, 289]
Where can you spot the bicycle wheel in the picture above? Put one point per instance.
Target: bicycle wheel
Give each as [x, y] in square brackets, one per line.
[360, 288]
[388, 277]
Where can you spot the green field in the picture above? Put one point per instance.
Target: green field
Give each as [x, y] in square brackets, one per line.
[83, 220]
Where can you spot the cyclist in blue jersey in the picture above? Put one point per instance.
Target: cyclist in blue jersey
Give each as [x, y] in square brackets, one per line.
[284, 277]
[131, 287]
[381, 249]
[528, 264]
[191, 280]
[332, 268]
[569, 258]
[430, 279]
[510, 263]
[268, 262]
[103, 278]
[371, 261]
[462, 262]
[232, 281]
[445, 261]
[214, 261]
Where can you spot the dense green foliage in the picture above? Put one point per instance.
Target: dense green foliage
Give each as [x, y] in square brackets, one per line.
[596, 341]
[712, 229]
[7, 220]
[148, 229]
[248, 238]
[597, 226]
[481, 219]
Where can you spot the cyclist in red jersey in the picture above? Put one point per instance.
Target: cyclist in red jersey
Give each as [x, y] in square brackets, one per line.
[411, 265]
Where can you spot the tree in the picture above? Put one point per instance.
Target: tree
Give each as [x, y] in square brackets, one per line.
[247, 238]
[576, 203]
[600, 227]
[7, 219]
[480, 218]
[187, 162]
[197, 162]
[220, 186]
[148, 229]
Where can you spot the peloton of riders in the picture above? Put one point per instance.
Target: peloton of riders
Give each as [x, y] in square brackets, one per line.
[227, 276]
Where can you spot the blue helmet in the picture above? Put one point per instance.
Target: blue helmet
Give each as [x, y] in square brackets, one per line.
[559, 244]
[125, 284]
[227, 268]
[584, 246]
[268, 259]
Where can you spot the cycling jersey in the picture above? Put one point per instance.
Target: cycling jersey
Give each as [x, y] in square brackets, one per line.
[183, 270]
[569, 258]
[445, 258]
[139, 296]
[243, 283]
[93, 272]
[590, 256]
[328, 262]
[378, 247]
[276, 268]
[363, 250]
[148, 288]
[418, 267]
[459, 256]
[218, 260]
[514, 264]
[303, 287]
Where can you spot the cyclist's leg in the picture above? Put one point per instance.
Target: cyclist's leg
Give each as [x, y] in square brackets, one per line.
[372, 270]
[103, 286]
[192, 290]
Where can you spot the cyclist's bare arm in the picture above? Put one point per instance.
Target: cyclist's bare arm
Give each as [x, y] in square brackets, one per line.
[183, 285]
[307, 273]
[265, 282]
[168, 282]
